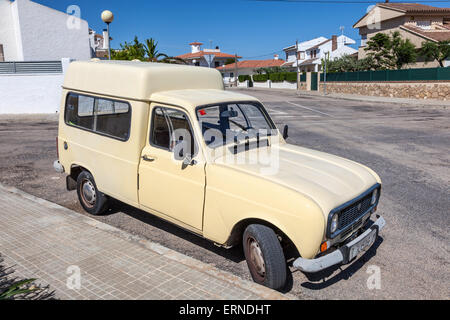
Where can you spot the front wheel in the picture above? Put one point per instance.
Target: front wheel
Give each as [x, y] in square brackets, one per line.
[92, 200]
[265, 257]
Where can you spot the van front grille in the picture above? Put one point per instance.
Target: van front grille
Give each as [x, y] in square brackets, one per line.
[353, 212]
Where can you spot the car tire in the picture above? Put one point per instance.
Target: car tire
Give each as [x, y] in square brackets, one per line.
[92, 200]
[265, 257]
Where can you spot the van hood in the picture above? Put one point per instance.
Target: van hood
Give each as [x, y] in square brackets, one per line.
[328, 180]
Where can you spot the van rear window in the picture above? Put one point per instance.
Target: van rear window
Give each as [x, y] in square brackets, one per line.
[104, 116]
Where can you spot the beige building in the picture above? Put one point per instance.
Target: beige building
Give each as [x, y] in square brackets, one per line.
[416, 22]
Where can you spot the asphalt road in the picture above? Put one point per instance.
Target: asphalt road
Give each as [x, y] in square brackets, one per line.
[408, 146]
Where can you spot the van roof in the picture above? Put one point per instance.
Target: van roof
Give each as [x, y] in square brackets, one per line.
[192, 98]
[135, 80]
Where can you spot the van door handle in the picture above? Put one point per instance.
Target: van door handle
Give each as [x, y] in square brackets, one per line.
[148, 158]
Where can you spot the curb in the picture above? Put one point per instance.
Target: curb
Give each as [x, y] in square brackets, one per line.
[178, 257]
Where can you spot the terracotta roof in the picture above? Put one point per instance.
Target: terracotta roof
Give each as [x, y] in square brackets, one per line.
[413, 7]
[195, 43]
[432, 34]
[203, 53]
[254, 64]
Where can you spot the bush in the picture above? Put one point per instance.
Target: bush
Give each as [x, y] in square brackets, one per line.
[243, 78]
[260, 77]
[291, 76]
[276, 77]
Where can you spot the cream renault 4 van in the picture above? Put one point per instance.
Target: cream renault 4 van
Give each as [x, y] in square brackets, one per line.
[169, 140]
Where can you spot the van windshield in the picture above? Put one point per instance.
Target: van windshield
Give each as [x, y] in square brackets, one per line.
[234, 122]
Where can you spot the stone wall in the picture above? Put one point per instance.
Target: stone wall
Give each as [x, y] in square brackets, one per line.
[413, 90]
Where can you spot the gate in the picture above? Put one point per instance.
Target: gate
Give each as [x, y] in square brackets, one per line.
[314, 81]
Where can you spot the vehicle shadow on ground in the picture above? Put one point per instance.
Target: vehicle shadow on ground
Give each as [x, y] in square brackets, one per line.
[318, 281]
[234, 254]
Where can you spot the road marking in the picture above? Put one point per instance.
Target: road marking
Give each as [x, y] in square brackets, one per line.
[313, 110]
[276, 112]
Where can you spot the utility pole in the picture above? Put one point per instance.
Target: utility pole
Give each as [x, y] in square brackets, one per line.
[298, 68]
[235, 70]
[325, 74]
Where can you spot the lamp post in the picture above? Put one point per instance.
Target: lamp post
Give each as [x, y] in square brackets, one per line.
[108, 17]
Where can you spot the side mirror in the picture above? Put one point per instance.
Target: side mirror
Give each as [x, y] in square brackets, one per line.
[285, 132]
[229, 114]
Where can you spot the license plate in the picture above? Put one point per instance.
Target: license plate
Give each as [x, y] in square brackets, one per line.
[363, 244]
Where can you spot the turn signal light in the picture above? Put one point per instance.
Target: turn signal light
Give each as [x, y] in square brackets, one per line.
[323, 247]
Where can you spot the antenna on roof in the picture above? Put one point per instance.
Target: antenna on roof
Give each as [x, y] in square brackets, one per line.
[342, 29]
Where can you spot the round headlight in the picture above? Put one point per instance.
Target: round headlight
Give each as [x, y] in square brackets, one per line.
[374, 197]
[334, 223]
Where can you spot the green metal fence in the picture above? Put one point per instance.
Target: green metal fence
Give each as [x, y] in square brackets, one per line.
[390, 75]
[303, 77]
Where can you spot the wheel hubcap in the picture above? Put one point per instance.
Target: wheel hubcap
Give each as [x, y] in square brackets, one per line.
[88, 192]
[257, 258]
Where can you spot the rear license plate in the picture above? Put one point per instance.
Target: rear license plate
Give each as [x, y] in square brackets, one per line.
[362, 245]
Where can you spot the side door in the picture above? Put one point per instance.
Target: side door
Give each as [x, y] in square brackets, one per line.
[172, 171]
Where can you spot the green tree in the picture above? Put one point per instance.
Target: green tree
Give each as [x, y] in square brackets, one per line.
[151, 52]
[390, 51]
[403, 50]
[146, 51]
[432, 51]
[129, 51]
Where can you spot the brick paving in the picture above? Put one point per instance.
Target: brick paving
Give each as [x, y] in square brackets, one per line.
[42, 240]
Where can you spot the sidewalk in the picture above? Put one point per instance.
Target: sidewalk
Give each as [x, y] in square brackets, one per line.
[40, 239]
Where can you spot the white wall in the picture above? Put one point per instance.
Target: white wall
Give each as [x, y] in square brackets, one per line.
[9, 31]
[30, 93]
[42, 32]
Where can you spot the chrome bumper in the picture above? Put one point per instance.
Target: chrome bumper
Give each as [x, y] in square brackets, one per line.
[58, 167]
[337, 256]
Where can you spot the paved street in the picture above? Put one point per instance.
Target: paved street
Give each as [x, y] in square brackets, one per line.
[407, 145]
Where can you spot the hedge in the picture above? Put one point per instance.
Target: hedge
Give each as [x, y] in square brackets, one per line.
[276, 77]
[260, 77]
[243, 78]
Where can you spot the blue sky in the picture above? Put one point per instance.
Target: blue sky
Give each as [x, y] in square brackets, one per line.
[252, 29]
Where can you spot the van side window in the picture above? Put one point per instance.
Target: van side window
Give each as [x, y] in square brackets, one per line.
[103, 116]
[171, 130]
[160, 130]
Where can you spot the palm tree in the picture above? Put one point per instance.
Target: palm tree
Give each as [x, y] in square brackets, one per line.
[150, 50]
[143, 51]
[155, 56]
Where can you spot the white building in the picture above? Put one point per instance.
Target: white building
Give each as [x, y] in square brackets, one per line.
[212, 58]
[32, 32]
[310, 53]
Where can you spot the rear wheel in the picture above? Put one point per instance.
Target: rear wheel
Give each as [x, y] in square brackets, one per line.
[92, 200]
[265, 257]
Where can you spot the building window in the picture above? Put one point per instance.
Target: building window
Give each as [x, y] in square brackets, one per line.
[197, 64]
[217, 64]
[363, 40]
[424, 24]
[231, 75]
[103, 116]
[2, 55]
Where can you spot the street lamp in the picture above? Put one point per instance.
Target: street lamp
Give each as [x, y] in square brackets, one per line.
[108, 17]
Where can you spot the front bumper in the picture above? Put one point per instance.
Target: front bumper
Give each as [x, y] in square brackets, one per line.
[58, 167]
[338, 256]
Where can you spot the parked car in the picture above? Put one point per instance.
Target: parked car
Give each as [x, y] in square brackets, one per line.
[165, 139]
